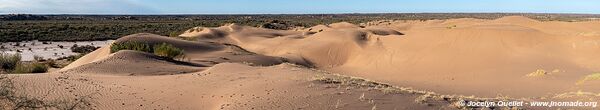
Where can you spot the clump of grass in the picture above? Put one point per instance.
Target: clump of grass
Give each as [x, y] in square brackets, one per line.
[595, 76]
[34, 67]
[9, 61]
[131, 45]
[537, 73]
[167, 50]
[12, 64]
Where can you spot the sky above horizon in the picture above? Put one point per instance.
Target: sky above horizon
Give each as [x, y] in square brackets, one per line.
[294, 6]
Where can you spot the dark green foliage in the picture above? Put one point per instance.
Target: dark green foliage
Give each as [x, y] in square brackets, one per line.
[83, 49]
[167, 51]
[139, 46]
[163, 49]
[278, 25]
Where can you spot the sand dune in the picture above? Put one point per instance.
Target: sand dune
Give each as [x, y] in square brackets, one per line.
[232, 66]
[457, 56]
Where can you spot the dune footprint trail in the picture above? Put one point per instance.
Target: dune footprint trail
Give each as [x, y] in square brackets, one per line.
[241, 67]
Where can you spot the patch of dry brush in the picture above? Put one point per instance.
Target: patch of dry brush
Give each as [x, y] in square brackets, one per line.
[425, 97]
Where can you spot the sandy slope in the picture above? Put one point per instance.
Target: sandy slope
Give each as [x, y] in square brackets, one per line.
[239, 67]
[223, 86]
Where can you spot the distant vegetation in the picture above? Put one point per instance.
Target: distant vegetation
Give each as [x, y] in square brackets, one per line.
[163, 49]
[22, 27]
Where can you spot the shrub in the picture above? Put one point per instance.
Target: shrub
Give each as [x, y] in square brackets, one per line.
[139, 46]
[72, 57]
[83, 49]
[167, 50]
[9, 61]
[30, 68]
[162, 49]
[174, 34]
[38, 58]
[52, 63]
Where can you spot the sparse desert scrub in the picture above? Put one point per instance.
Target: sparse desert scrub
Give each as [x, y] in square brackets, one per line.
[72, 58]
[595, 76]
[9, 61]
[424, 97]
[167, 50]
[12, 64]
[34, 67]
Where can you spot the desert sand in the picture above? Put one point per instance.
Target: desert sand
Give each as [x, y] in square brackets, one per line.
[379, 65]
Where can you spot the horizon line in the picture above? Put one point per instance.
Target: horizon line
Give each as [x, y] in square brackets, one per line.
[357, 13]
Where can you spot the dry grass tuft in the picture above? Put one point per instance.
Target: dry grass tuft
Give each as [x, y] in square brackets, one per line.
[538, 73]
[591, 77]
[425, 97]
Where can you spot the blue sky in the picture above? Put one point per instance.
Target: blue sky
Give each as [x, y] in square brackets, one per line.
[293, 6]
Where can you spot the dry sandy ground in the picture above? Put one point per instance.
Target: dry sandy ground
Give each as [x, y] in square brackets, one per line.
[239, 67]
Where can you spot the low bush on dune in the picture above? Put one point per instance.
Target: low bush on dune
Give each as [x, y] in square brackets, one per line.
[138, 46]
[163, 49]
[167, 50]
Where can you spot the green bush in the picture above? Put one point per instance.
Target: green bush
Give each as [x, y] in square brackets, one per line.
[139, 46]
[9, 61]
[163, 49]
[167, 50]
[31, 68]
[39, 68]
